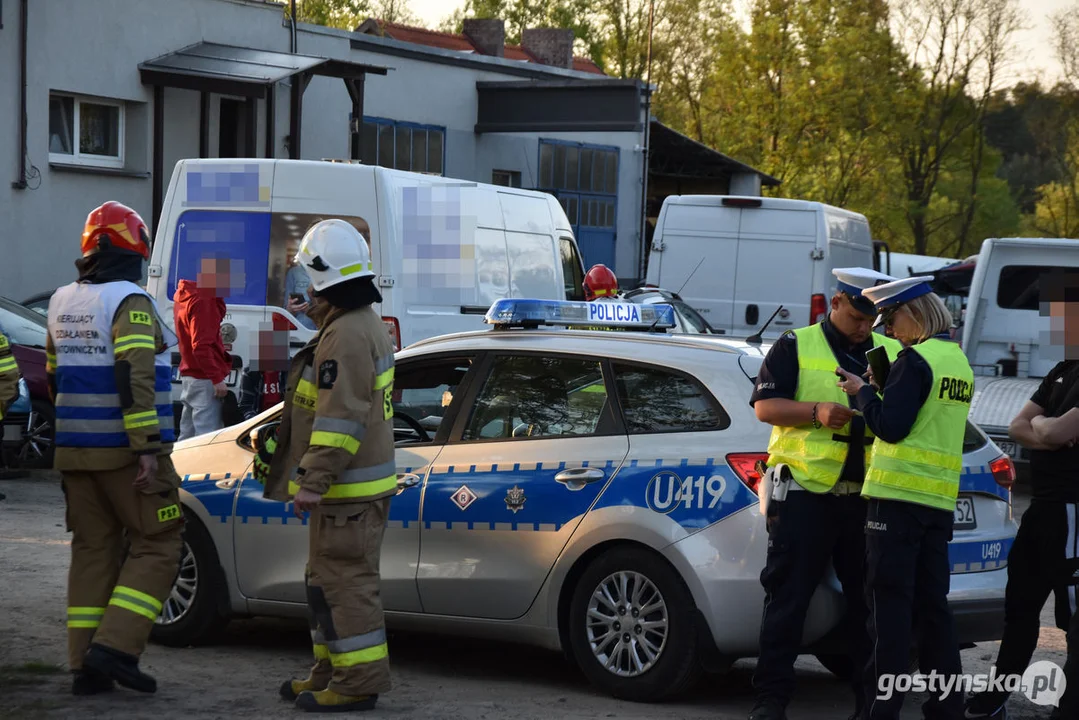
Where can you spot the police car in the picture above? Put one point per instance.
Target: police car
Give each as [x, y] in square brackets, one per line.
[585, 490]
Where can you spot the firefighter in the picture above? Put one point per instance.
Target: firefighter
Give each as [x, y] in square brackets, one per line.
[109, 367]
[600, 284]
[9, 379]
[333, 456]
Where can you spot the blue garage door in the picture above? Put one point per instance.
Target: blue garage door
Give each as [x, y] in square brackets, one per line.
[584, 178]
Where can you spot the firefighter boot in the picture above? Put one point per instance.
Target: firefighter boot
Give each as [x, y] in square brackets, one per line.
[330, 701]
[90, 682]
[119, 666]
[291, 689]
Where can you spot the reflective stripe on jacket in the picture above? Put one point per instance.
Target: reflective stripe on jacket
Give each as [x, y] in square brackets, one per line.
[925, 466]
[336, 432]
[815, 458]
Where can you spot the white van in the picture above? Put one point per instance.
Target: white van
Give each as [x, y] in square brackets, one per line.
[737, 259]
[444, 250]
[1004, 333]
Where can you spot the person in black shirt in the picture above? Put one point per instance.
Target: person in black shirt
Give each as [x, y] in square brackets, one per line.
[822, 518]
[1044, 558]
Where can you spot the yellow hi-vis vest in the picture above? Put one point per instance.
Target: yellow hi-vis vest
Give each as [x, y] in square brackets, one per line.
[814, 456]
[924, 467]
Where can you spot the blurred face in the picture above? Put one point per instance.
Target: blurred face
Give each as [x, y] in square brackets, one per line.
[1064, 323]
[271, 352]
[848, 320]
[221, 275]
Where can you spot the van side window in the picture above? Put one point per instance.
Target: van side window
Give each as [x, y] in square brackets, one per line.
[286, 232]
[1018, 287]
[572, 269]
[241, 237]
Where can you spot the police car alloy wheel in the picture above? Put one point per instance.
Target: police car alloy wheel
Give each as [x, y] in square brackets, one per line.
[194, 612]
[631, 626]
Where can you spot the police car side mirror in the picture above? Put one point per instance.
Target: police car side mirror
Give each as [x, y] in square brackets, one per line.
[256, 437]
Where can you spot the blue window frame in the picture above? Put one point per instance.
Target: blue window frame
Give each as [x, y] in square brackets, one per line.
[403, 145]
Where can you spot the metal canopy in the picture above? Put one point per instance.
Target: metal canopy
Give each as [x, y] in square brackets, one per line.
[673, 154]
[230, 70]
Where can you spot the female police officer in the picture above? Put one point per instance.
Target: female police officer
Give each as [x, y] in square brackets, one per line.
[911, 484]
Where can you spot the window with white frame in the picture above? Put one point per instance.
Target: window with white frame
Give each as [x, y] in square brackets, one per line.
[85, 131]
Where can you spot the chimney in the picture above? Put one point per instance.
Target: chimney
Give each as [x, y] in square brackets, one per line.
[551, 46]
[487, 34]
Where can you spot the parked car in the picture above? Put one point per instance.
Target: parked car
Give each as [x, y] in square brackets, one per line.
[28, 435]
[687, 320]
[570, 480]
[39, 302]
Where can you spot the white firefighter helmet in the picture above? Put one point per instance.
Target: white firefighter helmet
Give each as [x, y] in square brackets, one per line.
[333, 252]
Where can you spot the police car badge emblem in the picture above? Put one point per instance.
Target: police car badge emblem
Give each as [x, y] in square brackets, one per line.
[515, 499]
[463, 497]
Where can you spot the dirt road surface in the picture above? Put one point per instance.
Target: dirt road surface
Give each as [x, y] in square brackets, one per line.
[434, 677]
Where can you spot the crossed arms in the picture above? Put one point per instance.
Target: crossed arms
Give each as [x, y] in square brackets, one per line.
[1034, 431]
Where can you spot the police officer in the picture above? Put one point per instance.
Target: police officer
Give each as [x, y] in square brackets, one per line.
[821, 520]
[912, 484]
[1043, 557]
[334, 457]
[109, 371]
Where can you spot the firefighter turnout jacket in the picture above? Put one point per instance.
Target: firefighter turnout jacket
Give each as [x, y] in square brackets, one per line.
[336, 432]
[9, 376]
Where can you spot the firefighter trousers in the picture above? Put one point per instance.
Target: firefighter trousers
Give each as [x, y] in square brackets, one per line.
[114, 597]
[343, 601]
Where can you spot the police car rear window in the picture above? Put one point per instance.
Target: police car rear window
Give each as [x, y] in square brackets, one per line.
[656, 400]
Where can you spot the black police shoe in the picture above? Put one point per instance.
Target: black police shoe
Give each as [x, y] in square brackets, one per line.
[119, 666]
[90, 682]
[986, 706]
[768, 710]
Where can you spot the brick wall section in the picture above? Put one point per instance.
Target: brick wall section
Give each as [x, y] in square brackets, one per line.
[488, 35]
[550, 46]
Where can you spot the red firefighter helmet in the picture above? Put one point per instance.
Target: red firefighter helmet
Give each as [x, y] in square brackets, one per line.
[115, 228]
[600, 282]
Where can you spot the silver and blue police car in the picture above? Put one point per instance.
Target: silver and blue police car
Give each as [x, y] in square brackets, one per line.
[579, 489]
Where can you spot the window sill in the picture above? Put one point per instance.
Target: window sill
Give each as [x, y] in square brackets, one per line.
[97, 170]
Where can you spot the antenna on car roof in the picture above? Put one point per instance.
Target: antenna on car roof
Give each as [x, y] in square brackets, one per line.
[756, 339]
[691, 275]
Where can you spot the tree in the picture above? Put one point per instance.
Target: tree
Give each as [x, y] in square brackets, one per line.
[349, 14]
[955, 47]
[1066, 42]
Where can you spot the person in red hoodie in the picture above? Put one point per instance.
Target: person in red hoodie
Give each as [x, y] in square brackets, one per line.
[204, 365]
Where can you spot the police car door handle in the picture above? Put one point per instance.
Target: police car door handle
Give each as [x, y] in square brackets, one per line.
[577, 478]
[407, 480]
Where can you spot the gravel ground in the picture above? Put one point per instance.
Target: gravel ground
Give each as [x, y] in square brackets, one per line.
[434, 677]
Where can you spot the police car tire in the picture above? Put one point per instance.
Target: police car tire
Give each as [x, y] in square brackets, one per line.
[677, 667]
[204, 620]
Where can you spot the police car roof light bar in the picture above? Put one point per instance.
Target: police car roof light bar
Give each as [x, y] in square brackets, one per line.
[529, 313]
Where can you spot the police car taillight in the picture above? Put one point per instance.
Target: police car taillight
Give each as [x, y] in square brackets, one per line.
[1003, 470]
[394, 329]
[744, 466]
[818, 308]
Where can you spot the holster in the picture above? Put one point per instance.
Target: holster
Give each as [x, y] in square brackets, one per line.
[773, 486]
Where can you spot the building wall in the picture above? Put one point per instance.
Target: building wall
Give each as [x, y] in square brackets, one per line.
[74, 47]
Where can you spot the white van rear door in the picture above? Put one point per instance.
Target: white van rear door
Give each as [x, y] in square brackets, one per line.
[775, 266]
[700, 244]
[532, 255]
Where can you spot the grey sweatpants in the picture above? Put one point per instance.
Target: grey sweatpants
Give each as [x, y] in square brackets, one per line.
[202, 411]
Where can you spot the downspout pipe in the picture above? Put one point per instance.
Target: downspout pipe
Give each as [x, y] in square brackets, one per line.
[642, 267]
[24, 12]
[292, 19]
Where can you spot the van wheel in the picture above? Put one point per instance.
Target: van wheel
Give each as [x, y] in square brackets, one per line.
[191, 613]
[631, 628]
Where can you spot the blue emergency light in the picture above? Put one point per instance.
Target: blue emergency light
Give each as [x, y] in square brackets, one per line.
[515, 312]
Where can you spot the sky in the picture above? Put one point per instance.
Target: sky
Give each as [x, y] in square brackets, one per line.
[1035, 50]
